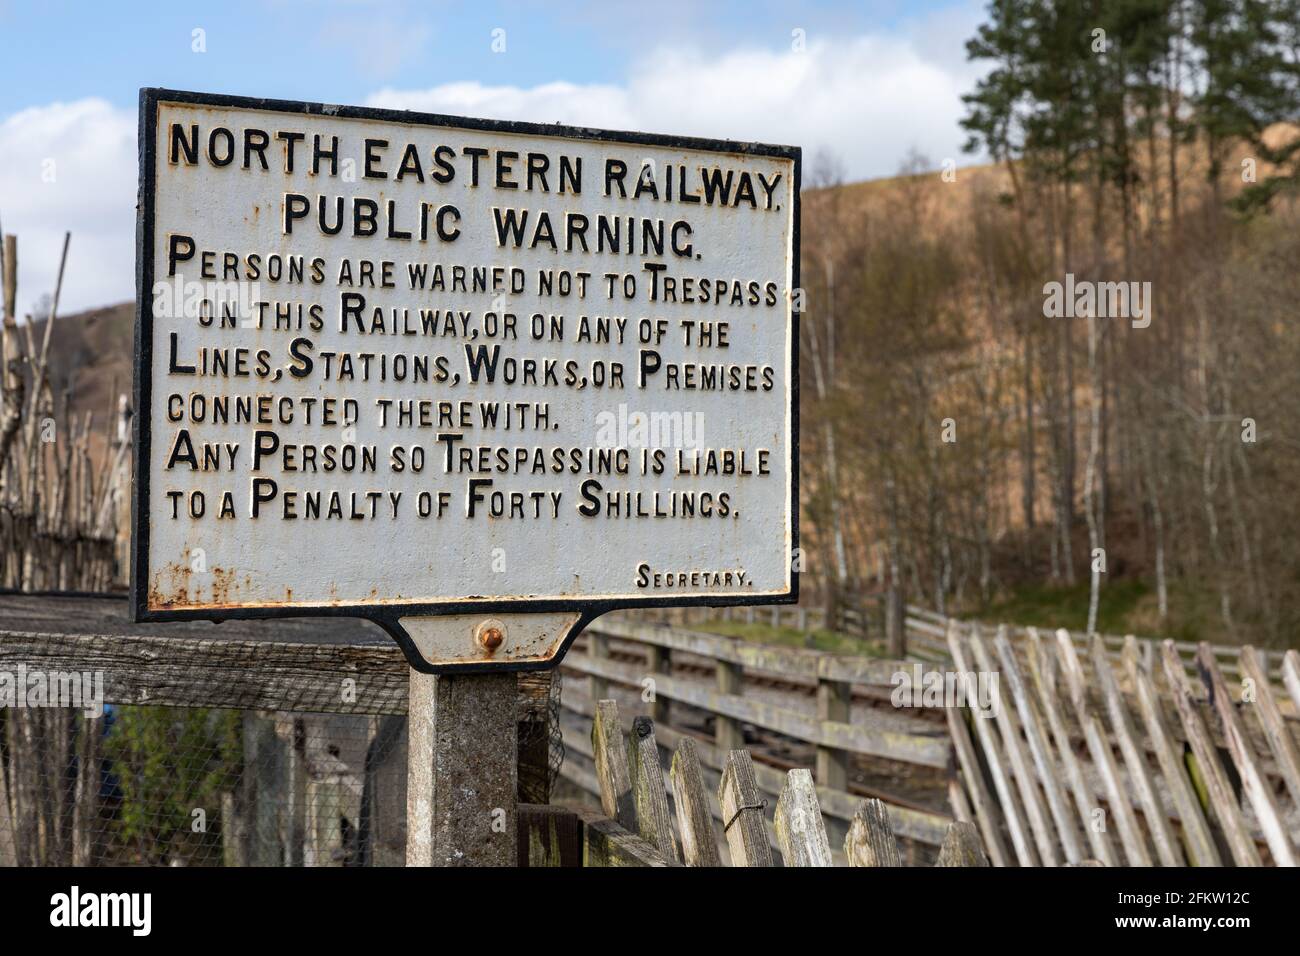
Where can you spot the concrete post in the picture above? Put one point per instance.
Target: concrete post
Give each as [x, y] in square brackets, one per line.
[462, 776]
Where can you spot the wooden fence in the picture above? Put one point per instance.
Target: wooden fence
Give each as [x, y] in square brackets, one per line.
[1087, 757]
[648, 663]
[314, 803]
[1096, 752]
[1128, 762]
[63, 477]
[857, 618]
[703, 828]
[927, 640]
[926, 631]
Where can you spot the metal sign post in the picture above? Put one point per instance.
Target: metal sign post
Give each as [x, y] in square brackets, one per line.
[477, 382]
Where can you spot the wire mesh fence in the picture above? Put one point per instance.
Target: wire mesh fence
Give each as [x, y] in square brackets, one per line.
[203, 786]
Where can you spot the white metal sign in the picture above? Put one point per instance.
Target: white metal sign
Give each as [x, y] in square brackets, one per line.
[393, 365]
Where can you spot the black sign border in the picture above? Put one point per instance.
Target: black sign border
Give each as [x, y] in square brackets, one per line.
[387, 615]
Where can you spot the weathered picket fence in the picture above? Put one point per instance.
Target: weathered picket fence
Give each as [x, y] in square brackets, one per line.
[927, 639]
[1202, 778]
[640, 828]
[1087, 758]
[836, 705]
[1096, 752]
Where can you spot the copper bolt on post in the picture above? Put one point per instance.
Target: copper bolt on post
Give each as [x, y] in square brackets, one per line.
[490, 635]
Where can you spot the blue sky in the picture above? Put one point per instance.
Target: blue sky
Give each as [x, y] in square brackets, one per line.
[330, 51]
[866, 83]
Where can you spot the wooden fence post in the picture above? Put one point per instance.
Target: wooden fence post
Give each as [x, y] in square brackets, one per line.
[1043, 668]
[834, 701]
[549, 837]
[694, 821]
[264, 784]
[462, 781]
[962, 847]
[333, 795]
[233, 842]
[800, 830]
[654, 822]
[597, 649]
[1009, 724]
[1130, 833]
[1253, 784]
[1169, 753]
[1044, 759]
[293, 821]
[612, 772]
[895, 630]
[1221, 796]
[991, 745]
[1279, 736]
[87, 846]
[986, 812]
[658, 660]
[1134, 757]
[1136, 657]
[871, 839]
[727, 733]
[742, 812]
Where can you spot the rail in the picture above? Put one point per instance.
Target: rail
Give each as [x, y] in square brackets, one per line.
[927, 634]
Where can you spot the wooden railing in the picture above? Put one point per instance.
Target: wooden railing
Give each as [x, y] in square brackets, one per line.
[855, 619]
[707, 825]
[828, 714]
[927, 632]
[648, 662]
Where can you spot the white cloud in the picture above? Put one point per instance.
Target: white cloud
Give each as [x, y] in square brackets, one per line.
[867, 99]
[71, 166]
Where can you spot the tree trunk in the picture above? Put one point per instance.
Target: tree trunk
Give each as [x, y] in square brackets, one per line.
[1090, 479]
